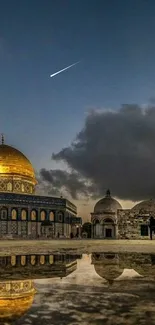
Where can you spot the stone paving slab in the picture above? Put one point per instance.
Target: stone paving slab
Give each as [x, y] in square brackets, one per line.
[8, 247]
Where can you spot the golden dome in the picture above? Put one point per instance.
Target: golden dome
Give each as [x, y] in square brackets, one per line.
[16, 298]
[12, 161]
[15, 167]
[11, 309]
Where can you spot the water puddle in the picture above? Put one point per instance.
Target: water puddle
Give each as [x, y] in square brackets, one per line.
[101, 288]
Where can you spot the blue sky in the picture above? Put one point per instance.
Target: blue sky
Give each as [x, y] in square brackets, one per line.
[115, 41]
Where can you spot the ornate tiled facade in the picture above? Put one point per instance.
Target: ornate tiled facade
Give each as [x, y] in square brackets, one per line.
[24, 214]
[35, 216]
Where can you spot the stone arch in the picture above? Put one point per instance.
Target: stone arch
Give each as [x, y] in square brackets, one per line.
[109, 227]
[95, 221]
[108, 220]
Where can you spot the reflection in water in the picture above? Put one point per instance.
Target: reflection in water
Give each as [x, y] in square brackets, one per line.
[17, 288]
[16, 297]
[65, 289]
[112, 266]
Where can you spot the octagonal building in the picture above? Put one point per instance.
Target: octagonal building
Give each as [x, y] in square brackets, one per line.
[23, 214]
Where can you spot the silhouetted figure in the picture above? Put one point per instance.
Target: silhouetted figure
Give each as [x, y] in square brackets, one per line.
[71, 235]
[152, 226]
[58, 235]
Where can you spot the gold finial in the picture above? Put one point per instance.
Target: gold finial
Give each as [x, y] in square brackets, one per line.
[2, 138]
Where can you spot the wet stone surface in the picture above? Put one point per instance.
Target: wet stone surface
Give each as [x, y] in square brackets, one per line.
[70, 289]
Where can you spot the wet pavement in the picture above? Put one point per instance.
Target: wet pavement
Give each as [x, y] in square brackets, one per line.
[98, 288]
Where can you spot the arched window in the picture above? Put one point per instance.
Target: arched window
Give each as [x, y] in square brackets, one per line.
[24, 215]
[42, 259]
[14, 214]
[51, 216]
[13, 260]
[33, 215]
[43, 215]
[60, 216]
[23, 260]
[4, 214]
[9, 186]
[51, 259]
[33, 259]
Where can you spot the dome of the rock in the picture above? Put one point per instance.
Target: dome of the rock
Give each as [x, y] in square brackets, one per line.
[16, 172]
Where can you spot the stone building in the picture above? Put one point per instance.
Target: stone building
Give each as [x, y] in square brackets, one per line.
[110, 220]
[111, 266]
[22, 212]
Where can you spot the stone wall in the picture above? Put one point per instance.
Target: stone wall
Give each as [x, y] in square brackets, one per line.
[129, 225]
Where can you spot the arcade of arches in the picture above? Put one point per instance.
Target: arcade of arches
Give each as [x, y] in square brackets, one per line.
[104, 228]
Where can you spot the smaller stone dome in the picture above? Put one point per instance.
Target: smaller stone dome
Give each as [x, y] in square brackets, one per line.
[108, 272]
[107, 204]
[147, 206]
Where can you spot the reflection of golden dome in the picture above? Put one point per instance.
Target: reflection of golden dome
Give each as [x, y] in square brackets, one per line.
[15, 166]
[12, 161]
[16, 297]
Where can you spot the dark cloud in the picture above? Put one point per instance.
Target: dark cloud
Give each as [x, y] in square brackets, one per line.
[114, 150]
[63, 181]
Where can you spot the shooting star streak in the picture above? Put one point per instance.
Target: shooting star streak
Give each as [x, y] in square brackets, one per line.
[54, 74]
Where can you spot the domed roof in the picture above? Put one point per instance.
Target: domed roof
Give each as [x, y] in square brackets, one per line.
[12, 309]
[108, 272]
[107, 204]
[147, 206]
[12, 161]
[16, 297]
